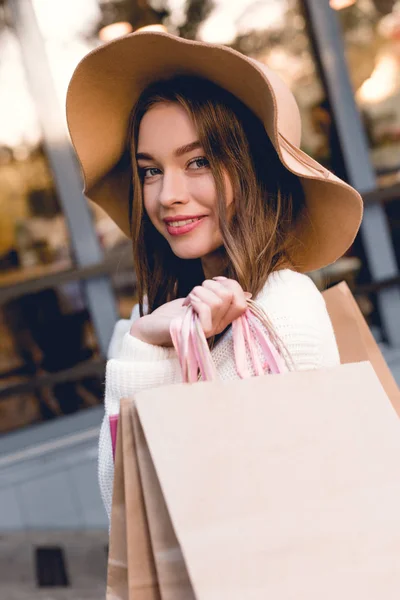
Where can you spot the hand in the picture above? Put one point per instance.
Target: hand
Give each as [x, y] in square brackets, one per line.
[217, 302]
[154, 328]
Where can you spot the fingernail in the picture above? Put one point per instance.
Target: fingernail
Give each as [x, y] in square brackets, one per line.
[220, 278]
[247, 295]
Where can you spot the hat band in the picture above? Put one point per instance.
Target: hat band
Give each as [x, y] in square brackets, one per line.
[303, 158]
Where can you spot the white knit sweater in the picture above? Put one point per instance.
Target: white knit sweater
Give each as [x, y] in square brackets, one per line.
[297, 312]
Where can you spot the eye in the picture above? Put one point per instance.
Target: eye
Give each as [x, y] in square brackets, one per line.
[149, 172]
[198, 163]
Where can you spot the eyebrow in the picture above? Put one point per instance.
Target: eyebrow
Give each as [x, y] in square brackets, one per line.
[178, 152]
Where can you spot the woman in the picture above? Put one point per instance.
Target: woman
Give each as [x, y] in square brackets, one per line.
[193, 150]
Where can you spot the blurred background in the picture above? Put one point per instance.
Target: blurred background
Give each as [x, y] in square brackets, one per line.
[66, 270]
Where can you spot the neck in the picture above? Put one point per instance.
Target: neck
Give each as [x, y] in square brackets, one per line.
[214, 264]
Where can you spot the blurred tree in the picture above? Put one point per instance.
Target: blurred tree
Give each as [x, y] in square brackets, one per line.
[289, 33]
[138, 13]
[196, 12]
[384, 7]
[363, 41]
[4, 17]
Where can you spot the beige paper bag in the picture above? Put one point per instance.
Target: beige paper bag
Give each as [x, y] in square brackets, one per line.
[145, 562]
[354, 338]
[172, 576]
[131, 569]
[284, 487]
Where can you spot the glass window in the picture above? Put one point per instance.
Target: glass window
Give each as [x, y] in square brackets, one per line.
[67, 39]
[45, 329]
[371, 34]
[371, 30]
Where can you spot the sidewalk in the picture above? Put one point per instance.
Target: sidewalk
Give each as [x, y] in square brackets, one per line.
[84, 557]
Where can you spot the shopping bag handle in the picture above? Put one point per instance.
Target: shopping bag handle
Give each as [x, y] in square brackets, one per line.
[250, 335]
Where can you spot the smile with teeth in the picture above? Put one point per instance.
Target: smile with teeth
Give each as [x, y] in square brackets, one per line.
[183, 226]
[182, 223]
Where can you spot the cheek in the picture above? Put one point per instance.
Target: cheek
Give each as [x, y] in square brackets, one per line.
[149, 203]
[203, 191]
[207, 191]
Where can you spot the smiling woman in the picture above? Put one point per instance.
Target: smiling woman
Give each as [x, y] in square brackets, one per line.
[205, 174]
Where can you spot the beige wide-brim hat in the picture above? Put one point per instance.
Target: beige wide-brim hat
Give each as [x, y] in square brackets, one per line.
[106, 85]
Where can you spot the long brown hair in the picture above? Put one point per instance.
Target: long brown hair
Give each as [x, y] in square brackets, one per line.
[267, 198]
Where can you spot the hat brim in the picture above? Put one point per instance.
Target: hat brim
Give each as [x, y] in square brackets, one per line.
[108, 82]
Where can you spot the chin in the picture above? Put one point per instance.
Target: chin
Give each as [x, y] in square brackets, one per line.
[189, 253]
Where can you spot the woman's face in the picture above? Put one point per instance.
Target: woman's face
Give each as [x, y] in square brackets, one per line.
[178, 187]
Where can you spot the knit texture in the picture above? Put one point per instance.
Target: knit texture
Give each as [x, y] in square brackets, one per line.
[297, 313]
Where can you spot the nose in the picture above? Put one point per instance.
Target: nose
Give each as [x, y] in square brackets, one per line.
[173, 189]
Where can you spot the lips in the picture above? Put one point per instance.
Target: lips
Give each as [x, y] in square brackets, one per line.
[182, 225]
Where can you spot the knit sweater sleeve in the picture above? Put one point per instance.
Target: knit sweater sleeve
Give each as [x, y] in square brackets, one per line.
[298, 314]
[134, 366]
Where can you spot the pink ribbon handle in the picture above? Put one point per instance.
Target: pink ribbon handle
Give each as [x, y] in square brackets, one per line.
[239, 348]
[273, 359]
[192, 348]
[250, 334]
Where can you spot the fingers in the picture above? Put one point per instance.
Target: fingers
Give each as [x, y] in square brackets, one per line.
[204, 313]
[217, 302]
[232, 284]
[214, 300]
[224, 293]
[239, 297]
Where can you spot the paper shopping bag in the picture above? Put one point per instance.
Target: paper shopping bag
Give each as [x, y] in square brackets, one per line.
[145, 562]
[172, 576]
[283, 487]
[354, 338]
[131, 569]
[117, 572]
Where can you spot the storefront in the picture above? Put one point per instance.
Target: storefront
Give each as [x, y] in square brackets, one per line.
[66, 270]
